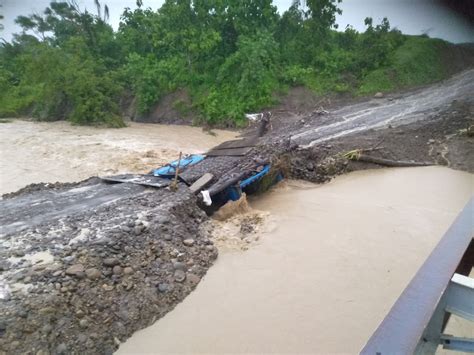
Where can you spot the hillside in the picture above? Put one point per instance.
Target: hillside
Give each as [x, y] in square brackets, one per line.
[204, 63]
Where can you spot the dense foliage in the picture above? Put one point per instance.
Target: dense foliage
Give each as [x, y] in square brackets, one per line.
[230, 56]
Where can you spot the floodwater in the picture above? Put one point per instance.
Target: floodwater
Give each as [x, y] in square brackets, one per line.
[321, 280]
[33, 152]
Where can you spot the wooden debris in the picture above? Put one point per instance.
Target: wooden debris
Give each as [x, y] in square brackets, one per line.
[358, 155]
[174, 184]
[227, 181]
[237, 143]
[389, 162]
[265, 124]
[201, 183]
[229, 152]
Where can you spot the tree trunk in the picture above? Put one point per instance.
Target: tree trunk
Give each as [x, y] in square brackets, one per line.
[389, 162]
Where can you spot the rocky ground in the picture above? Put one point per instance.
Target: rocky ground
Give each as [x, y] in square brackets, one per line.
[82, 283]
[85, 265]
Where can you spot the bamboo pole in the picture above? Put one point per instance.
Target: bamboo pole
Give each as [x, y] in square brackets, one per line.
[174, 184]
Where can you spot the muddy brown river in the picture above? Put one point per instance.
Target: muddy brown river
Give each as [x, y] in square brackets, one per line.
[331, 263]
[33, 152]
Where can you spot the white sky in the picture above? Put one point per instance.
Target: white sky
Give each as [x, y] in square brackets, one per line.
[410, 16]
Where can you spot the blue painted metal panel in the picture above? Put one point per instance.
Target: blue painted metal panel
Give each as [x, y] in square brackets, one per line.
[234, 193]
[255, 177]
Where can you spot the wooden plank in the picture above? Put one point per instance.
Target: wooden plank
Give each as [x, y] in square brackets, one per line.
[237, 143]
[146, 180]
[227, 181]
[229, 152]
[202, 182]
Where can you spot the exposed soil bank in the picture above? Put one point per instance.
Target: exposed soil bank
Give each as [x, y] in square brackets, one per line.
[440, 138]
[324, 278]
[33, 152]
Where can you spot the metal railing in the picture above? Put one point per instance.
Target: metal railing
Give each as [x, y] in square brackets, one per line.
[416, 322]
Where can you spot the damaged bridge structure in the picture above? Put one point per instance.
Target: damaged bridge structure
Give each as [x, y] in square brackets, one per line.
[85, 265]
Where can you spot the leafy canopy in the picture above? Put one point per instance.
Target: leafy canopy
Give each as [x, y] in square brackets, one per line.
[231, 56]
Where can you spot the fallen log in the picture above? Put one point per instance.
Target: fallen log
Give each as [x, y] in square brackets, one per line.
[388, 162]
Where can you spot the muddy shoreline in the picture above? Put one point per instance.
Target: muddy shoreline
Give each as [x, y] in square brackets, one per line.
[120, 257]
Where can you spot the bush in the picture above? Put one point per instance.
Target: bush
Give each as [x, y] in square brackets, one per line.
[377, 80]
[18, 100]
[93, 98]
[151, 78]
[296, 75]
[246, 81]
[416, 62]
[231, 57]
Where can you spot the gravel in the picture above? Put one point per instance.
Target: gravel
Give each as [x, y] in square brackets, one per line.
[99, 287]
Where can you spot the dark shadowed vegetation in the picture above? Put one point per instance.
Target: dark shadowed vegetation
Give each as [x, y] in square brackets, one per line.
[230, 57]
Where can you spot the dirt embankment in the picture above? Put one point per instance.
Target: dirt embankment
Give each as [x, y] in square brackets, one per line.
[440, 139]
[173, 108]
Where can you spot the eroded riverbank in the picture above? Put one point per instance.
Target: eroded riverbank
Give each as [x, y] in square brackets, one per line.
[339, 256]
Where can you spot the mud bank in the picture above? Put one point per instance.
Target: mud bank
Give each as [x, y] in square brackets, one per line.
[440, 138]
[34, 152]
[321, 281]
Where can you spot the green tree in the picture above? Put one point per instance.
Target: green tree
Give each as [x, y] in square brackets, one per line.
[64, 66]
[291, 35]
[230, 56]
[247, 79]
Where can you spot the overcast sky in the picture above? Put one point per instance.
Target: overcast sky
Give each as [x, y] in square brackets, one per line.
[410, 16]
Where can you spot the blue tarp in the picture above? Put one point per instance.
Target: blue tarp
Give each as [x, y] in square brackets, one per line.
[170, 169]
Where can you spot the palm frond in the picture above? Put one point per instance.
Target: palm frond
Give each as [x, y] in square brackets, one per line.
[99, 8]
[106, 13]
